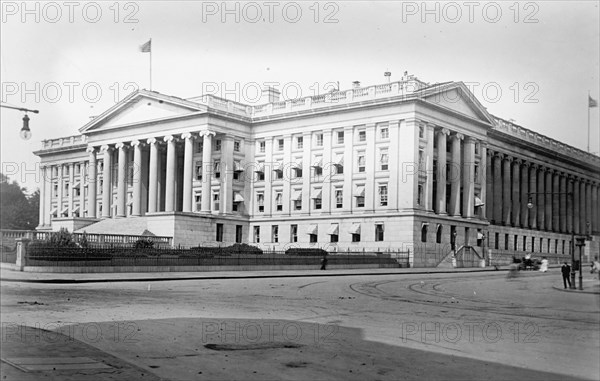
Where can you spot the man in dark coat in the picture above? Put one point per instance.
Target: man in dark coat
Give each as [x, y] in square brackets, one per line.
[566, 274]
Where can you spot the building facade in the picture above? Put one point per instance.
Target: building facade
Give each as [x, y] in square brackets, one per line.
[404, 165]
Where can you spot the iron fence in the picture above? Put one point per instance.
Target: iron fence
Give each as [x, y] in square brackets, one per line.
[46, 255]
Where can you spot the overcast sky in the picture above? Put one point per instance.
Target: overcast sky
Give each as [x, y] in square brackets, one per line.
[533, 62]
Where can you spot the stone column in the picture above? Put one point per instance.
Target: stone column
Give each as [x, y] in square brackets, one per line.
[61, 187]
[188, 172]
[153, 176]
[483, 174]
[227, 175]
[327, 168]
[498, 194]
[595, 208]
[469, 178]
[489, 185]
[563, 210]
[575, 206]
[516, 193]
[136, 208]
[394, 129]
[589, 208]
[82, 187]
[540, 199]
[533, 168]
[548, 202]
[372, 165]
[206, 169]
[455, 174]
[582, 208]
[107, 181]
[171, 173]
[71, 189]
[441, 171]
[506, 187]
[49, 196]
[429, 201]
[92, 179]
[122, 180]
[556, 201]
[42, 209]
[524, 195]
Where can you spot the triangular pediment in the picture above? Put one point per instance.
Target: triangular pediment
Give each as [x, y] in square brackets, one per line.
[455, 96]
[141, 107]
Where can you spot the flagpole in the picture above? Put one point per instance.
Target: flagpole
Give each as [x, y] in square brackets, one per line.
[151, 71]
[589, 96]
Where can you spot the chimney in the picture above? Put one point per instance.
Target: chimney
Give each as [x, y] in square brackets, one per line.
[388, 75]
[355, 84]
[270, 95]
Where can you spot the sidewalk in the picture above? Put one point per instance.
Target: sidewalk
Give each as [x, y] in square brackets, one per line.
[7, 275]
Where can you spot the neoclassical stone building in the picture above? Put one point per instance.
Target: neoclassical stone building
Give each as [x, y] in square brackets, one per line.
[404, 165]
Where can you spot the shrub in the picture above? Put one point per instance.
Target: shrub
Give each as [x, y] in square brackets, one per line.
[144, 243]
[306, 252]
[62, 238]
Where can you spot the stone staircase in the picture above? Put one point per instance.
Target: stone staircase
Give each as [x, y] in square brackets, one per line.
[126, 226]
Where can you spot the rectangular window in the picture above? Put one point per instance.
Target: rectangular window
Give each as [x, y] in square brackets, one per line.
[198, 170]
[275, 233]
[355, 237]
[340, 137]
[217, 145]
[496, 241]
[361, 161]
[300, 142]
[421, 132]
[319, 140]
[77, 169]
[261, 146]
[505, 241]
[360, 201]
[279, 201]
[260, 201]
[313, 238]
[339, 198]
[293, 233]
[198, 198]
[362, 135]
[383, 159]
[256, 234]
[297, 204]
[219, 237]
[216, 202]
[236, 145]
[199, 147]
[384, 133]
[217, 168]
[524, 243]
[476, 148]
[515, 242]
[318, 203]
[383, 195]
[379, 232]
[238, 233]
[420, 194]
[66, 190]
[476, 173]
[280, 144]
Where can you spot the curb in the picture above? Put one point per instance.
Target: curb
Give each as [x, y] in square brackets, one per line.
[575, 290]
[308, 275]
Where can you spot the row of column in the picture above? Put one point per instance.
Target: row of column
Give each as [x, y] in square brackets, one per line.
[529, 195]
[151, 166]
[457, 169]
[48, 180]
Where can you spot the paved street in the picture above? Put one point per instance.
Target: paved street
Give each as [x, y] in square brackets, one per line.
[402, 326]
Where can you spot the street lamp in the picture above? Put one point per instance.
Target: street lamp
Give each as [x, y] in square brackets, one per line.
[572, 198]
[25, 131]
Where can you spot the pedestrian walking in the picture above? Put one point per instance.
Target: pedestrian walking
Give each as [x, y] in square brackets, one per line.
[596, 267]
[566, 274]
[544, 265]
[324, 262]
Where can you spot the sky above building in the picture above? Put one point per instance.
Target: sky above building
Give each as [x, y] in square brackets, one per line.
[530, 62]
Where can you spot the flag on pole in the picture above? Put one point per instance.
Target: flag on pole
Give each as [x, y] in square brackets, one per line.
[147, 47]
[592, 102]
